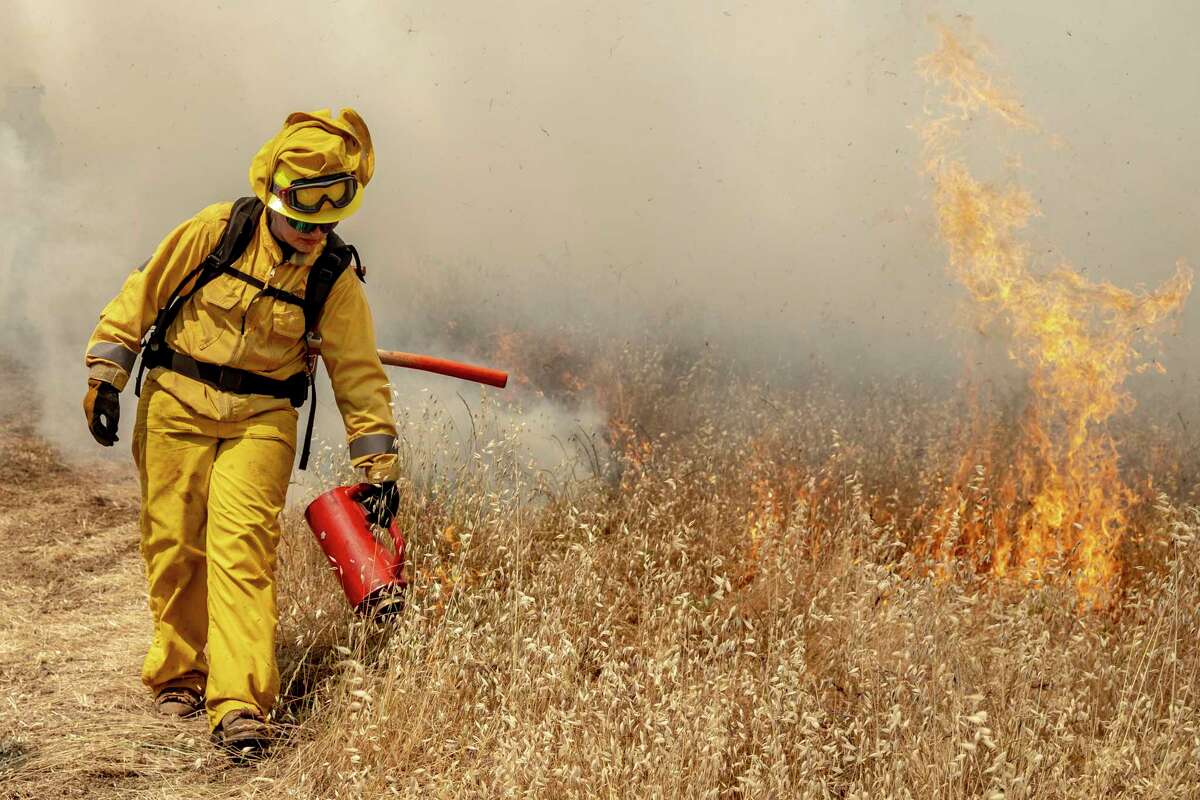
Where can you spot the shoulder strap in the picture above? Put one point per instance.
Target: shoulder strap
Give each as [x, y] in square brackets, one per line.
[324, 273]
[332, 262]
[243, 220]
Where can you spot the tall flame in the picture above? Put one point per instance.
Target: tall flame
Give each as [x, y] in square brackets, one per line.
[1066, 502]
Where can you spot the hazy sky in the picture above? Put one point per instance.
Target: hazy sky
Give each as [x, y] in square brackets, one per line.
[751, 169]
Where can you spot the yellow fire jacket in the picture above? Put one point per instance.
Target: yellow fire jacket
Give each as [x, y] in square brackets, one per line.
[230, 322]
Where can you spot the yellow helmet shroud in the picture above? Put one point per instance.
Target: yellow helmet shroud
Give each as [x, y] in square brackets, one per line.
[312, 146]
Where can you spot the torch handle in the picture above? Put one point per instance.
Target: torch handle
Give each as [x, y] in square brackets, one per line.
[443, 366]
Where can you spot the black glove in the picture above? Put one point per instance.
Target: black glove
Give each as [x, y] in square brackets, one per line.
[382, 501]
[102, 407]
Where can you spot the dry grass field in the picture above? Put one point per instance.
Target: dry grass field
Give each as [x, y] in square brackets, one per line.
[728, 593]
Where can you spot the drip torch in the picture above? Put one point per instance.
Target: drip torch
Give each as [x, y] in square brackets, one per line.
[372, 576]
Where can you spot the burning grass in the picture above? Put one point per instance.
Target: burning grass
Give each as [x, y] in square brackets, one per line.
[724, 595]
[740, 603]
[1076, 339]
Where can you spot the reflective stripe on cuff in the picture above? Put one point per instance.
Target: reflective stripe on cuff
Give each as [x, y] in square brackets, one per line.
[109, 373]
[372, 445]
[119, 354]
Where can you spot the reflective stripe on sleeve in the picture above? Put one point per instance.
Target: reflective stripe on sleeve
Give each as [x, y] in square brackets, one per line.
[372, 444]
[119, 354]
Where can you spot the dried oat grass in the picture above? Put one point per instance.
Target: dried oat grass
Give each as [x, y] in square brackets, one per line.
[728, 606]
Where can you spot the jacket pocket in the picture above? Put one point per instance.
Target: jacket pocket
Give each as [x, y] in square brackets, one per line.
[287, 322]
[215, 312]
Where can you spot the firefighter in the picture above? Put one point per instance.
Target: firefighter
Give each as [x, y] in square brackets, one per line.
[215, 435]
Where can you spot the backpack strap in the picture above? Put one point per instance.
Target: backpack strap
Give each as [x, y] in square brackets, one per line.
[334, 260]
[243, 220]
[323, 274]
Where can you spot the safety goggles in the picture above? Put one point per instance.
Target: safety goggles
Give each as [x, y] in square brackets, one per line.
[309, 227]
[309, 195]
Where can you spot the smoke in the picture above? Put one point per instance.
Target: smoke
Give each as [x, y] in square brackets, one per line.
[745, 175]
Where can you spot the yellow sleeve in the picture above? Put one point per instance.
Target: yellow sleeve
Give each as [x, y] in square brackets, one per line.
[115, 342]
[359, 382]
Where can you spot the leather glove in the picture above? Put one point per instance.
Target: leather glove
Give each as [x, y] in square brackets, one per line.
[382, 501]
[102, 408]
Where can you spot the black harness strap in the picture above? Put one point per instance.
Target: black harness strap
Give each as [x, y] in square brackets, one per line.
[232, 379]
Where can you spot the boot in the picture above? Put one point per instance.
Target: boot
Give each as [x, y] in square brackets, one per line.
[244, 734]
[178, 701]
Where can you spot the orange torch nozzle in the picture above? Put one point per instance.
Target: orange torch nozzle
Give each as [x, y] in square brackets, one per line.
[443, 366]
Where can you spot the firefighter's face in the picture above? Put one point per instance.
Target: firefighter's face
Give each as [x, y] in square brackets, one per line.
[301, 242]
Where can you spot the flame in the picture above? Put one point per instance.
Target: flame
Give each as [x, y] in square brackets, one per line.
[1062, 502]
[777, 490]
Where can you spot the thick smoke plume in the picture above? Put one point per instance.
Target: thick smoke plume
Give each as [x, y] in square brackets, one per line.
[742, 178]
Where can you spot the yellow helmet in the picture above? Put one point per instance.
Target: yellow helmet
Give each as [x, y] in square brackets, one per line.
[315, 168]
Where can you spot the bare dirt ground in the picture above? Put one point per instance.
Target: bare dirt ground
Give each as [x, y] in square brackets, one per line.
[75, 720]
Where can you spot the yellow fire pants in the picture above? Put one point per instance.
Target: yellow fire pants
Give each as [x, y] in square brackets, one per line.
[214, 475]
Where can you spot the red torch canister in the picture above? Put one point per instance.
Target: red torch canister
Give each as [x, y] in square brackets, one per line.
[371, 575]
